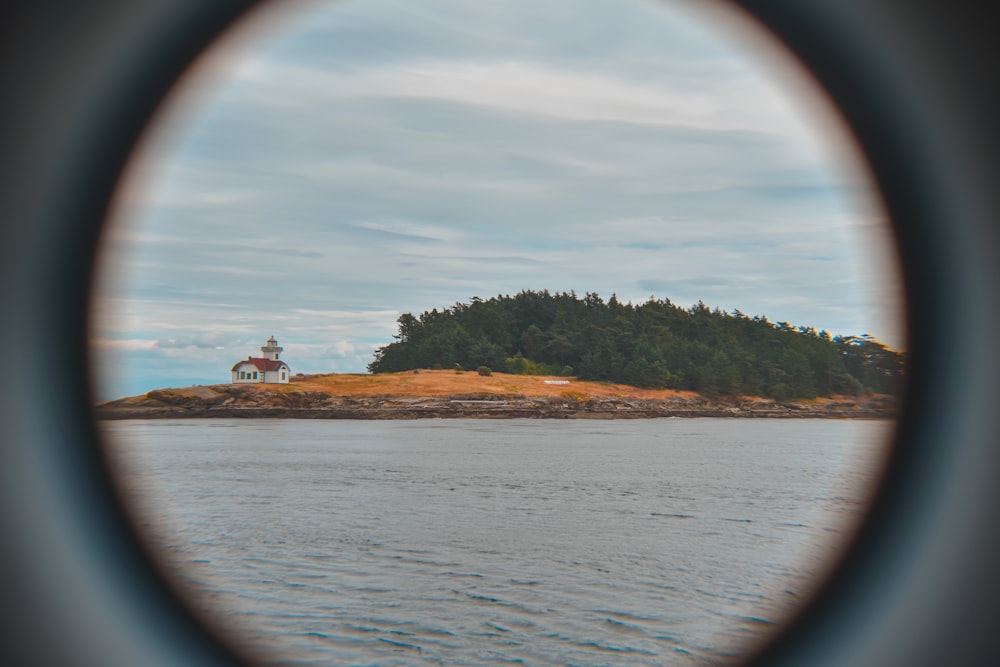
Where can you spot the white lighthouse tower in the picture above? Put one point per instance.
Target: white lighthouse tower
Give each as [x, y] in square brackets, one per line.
[271, 350]
[267, 368]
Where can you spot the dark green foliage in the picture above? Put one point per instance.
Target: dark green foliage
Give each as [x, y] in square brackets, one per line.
[484, 370]
[655, 344]
[518, 365]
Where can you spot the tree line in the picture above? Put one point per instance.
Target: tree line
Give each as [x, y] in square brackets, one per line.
[655, 344]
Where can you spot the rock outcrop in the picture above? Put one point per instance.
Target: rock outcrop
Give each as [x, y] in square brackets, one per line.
[258, 402]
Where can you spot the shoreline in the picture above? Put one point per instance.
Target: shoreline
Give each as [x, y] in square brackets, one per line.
[432, 396]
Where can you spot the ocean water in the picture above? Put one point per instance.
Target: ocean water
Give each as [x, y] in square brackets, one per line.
[486, 542]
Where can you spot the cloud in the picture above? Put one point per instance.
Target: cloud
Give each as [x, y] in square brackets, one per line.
[206, 341]
[123, 344]
[389, 157]
[515, 86]
[410, 231]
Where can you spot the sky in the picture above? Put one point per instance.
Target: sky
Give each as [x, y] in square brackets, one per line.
[322, 170]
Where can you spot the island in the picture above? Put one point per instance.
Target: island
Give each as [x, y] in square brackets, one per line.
[539, 354]
[422, 394]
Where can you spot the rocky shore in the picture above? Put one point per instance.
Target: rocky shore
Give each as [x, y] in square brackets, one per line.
[267, 401]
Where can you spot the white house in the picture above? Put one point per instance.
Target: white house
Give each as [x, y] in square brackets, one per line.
[267, 368]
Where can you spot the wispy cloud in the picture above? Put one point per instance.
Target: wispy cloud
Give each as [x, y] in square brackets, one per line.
[385, 156]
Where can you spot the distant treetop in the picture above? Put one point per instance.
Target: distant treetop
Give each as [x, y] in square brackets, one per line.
[655, 344]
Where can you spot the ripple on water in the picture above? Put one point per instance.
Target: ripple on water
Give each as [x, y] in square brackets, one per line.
[399, 543]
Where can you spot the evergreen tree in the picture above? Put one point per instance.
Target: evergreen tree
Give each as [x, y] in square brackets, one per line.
[655, 344]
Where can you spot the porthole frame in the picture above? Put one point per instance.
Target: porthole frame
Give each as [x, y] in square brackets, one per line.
[918, 587]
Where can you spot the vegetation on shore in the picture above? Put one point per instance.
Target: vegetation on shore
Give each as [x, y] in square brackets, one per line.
[450, 394]
[655, 345]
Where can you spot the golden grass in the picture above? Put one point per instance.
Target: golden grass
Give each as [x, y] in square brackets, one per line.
[428, 383]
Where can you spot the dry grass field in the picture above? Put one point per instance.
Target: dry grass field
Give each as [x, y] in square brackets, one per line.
[433, 383]
[440, 383]
[346, 395]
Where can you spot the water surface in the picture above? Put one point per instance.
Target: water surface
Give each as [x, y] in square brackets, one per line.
[482, 542]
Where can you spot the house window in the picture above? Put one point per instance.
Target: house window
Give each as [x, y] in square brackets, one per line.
[282, 375]
[255, 375]
[243, 375]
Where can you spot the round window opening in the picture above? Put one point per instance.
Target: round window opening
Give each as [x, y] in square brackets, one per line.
[450, 332]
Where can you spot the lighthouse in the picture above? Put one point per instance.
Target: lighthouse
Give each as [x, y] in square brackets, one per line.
[266, 368]
[270, 349]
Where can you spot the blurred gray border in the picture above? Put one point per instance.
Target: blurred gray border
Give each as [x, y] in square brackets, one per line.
[919, 587]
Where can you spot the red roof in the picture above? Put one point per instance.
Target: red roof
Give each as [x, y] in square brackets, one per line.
[261, 364]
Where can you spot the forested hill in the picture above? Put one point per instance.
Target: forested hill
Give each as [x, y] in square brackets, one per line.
[655, 344]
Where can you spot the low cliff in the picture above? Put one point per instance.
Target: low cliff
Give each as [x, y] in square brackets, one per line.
[438, 394]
